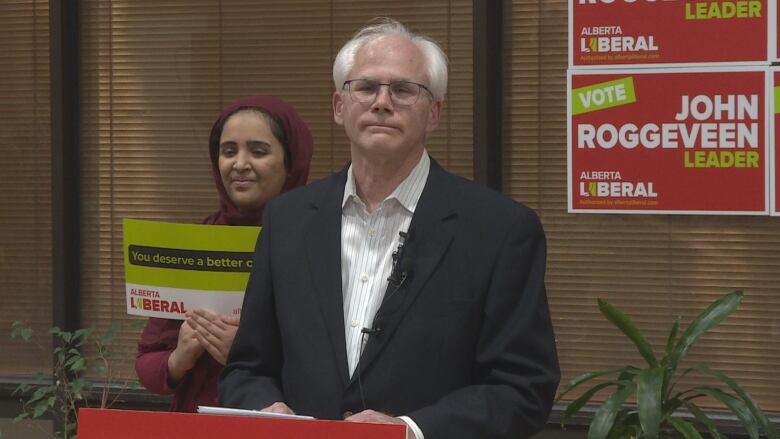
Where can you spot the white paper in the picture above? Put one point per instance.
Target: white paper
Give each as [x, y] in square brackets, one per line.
[242, 412]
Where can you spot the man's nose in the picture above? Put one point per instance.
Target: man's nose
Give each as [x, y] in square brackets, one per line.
[383, 100]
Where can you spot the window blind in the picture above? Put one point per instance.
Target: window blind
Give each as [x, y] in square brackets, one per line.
[25, 176]
[155, 76]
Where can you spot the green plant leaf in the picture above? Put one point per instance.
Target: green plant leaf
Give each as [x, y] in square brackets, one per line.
[672, 338]
[110, 333]
[706, 320]
[736, 406]
[671, 404]
[585, 377]
[20, 330]
[628, 328]
[670, 342]
[578, 403]
[670, 380]
[649, 401]
[83, 333]
[80, 386]
[626, 425]
[685, 428]
[21, 389]
[78, 338]
[768, 427]
[21, 416]
[40, 408]
[72, 359]
[605, 416]
[66, 336]
[704, 419]
[41, 393]
[79, 365]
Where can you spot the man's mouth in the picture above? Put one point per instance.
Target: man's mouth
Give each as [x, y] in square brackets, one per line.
[381, 127]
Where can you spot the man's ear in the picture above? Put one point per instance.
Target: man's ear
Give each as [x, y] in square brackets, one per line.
[338, 107]
[434, 116]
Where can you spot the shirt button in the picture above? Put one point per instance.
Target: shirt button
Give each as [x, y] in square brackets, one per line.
[347, 414]
[371, 232]
[354, 323]
[364, 278]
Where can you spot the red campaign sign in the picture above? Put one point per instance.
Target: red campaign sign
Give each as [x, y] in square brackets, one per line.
[634, 32]
[668, 141]
[775, 184]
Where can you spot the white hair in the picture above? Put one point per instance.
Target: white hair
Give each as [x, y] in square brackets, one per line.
[435, 59]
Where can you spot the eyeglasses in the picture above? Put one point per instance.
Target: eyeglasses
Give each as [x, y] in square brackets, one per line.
[403, 93]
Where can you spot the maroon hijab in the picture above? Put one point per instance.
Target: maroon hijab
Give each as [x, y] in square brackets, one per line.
[299, 145]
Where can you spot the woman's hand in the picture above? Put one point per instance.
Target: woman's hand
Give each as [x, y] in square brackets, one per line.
[183, 358]
[215, 332]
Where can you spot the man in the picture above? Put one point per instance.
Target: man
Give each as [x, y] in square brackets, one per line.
[443, 326]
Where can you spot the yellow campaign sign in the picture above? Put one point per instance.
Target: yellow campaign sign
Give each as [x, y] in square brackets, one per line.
[174, 268]
[603, 95]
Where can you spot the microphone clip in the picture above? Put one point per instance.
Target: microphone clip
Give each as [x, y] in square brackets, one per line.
[371, 331]
[397, 274]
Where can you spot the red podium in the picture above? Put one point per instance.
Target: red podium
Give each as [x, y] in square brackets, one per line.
[131, 424]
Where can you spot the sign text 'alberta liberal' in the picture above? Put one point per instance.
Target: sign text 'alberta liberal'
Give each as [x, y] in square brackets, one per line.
[669, 32]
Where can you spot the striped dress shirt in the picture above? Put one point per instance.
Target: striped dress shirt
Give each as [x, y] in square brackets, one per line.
[367, 244]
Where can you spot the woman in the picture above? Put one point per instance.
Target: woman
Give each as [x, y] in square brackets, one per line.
[259, 148]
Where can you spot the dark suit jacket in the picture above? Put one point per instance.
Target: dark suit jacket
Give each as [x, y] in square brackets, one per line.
[466, 348]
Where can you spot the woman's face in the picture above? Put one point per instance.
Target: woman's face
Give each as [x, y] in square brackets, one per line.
[251, 161]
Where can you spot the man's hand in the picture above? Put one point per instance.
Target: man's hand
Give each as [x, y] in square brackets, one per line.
[278, 407]
[183, 358]
[215, 332]
[375, 417]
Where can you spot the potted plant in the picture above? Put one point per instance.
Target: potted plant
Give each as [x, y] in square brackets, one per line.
[663, 409]
[67, 389]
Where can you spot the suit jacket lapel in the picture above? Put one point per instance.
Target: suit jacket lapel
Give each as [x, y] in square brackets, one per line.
[323, 251]
[433, 226]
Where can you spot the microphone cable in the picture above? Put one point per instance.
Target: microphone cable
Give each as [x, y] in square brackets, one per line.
[396, 280]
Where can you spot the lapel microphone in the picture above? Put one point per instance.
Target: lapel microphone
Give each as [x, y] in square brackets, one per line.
[398, 274]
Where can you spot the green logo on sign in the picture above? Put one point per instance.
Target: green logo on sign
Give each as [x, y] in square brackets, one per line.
[603, 95]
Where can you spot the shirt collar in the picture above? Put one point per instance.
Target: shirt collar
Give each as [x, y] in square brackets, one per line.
[407, 193]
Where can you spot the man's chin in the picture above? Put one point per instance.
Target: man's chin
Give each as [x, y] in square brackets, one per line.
[378, 149]
[381, 139]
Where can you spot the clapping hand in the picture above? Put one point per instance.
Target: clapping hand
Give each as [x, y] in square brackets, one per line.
[214, 332]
